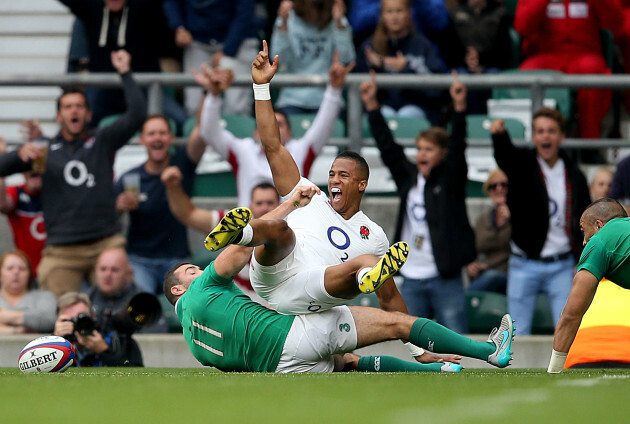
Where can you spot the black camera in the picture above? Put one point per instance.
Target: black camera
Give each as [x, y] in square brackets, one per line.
[83, 324]
[142, 310]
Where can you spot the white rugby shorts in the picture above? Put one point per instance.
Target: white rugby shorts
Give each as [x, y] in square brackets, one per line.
[293, 286]
[314, 338]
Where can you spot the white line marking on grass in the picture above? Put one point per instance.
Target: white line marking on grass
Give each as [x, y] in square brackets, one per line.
[467, 409]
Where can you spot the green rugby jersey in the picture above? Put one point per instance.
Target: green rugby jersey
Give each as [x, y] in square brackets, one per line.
[607, 253]
[225, 329]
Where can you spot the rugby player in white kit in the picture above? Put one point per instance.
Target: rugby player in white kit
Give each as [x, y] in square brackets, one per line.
[309, 269]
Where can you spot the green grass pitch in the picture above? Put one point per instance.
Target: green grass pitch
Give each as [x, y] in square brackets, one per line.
[153, 395]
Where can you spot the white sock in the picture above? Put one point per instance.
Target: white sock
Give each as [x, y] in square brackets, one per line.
[246, 236]
[361, 273]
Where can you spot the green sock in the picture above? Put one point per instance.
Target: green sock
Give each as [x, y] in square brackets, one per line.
[391, 364]
[439, 339]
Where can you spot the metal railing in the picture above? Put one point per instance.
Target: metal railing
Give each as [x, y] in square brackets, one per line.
[537, 83]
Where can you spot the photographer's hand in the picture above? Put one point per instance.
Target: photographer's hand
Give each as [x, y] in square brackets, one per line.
[63, 326]
[93, 342]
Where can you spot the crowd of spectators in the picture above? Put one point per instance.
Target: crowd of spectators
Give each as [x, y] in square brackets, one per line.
[525, 244]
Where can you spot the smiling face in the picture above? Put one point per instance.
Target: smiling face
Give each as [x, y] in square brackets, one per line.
[346, 185]
[14, 275]
[396, 16]
[428, 156]
[157, 137]
[73, 115]
[547, 137]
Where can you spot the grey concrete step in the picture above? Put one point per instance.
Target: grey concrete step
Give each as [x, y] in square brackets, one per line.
[37, 7]
[12, 64]
[20, 24]
[35, 45]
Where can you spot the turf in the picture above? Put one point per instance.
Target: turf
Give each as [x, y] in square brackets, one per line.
[154, 395]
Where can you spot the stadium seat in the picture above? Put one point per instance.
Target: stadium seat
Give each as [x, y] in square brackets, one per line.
[510, 6]
[517, 53]
[109, 119]
[400, 127]
[202, 257]
[216, 184]
[301, 122]
[608, 47]
[478, 126]
[543, 320]
[168, 312]
[562, 96]
[242, 126]
[365, 300]
[189, 125]
[484, 310]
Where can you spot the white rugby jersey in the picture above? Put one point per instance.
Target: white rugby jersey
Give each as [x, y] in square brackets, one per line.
[246, 156]
[329, 237]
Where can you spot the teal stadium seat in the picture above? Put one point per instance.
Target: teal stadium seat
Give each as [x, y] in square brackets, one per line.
[109, 119]
[562, 96]
[188, 126]
[242, 126]
[301, 122]
[543, 320]
[484, 310]
[478, 126]
[400, 127]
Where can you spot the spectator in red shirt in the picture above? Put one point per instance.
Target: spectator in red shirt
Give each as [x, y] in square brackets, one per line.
[564, 35]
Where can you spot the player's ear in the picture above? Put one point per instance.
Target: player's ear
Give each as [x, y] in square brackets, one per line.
[362, 185]
[178, 290]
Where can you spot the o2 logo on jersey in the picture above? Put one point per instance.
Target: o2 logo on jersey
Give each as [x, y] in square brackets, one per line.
[419, 212]
[37, 228]
[76, 174]
[557, 220]
[338, 238]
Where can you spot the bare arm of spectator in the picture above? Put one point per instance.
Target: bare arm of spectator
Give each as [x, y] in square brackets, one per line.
[182, 207]
[195, 146]
[214, 81]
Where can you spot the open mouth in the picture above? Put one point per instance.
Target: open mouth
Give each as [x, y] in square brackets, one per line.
[335, 193]
[546, 146]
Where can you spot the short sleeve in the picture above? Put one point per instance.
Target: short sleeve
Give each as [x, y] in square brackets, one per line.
[594, 258]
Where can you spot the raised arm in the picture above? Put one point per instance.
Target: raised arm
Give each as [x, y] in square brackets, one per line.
[119, 132]
[392, 153]
[284, 169]
[182, 207]
[214, 81]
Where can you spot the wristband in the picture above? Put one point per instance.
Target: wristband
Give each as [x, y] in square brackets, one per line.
[261, 91]
[414, 350]
[556, 363]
